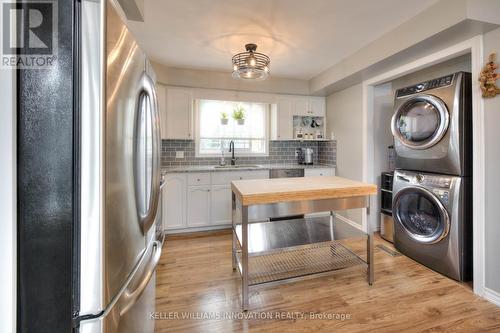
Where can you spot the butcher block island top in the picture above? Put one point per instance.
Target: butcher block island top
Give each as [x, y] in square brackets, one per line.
[266, 191]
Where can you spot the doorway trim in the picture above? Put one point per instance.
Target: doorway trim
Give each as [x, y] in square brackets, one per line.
[474, 47]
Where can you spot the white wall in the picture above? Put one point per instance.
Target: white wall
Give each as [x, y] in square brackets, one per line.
[7, 203]
[223, 80]
[344, 119]
[492, 176]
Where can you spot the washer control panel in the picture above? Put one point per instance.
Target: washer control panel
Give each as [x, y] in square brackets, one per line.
[443, 195]
[444, 81]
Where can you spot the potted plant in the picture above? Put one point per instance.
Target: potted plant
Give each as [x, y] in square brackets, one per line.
[239, 114]
[224, 118]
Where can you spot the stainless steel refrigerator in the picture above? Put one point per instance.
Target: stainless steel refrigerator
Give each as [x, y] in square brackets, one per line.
[106, 259]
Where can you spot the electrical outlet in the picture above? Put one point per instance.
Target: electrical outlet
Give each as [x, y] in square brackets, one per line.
[179, 154]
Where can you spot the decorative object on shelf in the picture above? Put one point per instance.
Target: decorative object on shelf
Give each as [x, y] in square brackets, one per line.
[224, 118]
[239, 114]
[299, 134]
[251, 65]
[306, 121]
[488, 78]
[308, 128]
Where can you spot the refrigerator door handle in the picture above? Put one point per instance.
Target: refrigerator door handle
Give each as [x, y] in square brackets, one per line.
[147, 208]
[131, 297]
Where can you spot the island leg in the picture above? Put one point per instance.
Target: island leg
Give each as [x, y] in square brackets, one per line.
[233, 216]
[244, 257]
[369, 257]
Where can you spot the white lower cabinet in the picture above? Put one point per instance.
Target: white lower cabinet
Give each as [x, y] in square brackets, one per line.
[174, 201]
[221, 204]
[198, 207]
[200, 200]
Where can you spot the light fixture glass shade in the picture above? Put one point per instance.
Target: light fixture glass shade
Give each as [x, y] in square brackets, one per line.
[251, 65]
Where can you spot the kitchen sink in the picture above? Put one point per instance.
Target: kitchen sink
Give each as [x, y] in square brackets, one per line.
[238, 166]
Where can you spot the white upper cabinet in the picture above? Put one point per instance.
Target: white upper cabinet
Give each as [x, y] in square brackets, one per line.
[317, 106]
[282, 120]
[309, 106]
[286, 107]
[300, 106]
[177, 116]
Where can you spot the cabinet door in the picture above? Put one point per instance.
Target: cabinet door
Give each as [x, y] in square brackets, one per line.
[221, 205]
[284, 119]
[317, 106]
[301, 106]
[174, 201]
[179, 108]
[198, 213]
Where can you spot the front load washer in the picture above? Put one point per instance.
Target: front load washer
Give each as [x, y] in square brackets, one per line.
[433, 221]
[432, 126]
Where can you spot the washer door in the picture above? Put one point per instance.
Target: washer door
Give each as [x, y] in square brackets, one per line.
[421, 215]
[420, 122]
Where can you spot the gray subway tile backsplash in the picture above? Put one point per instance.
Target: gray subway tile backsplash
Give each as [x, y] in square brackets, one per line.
[325, 152]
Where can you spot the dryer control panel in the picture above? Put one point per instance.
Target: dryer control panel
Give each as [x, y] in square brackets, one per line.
[444, 81]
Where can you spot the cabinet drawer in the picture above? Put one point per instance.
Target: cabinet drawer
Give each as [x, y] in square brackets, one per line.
[199, 178]
[319, 172]
[226, 177]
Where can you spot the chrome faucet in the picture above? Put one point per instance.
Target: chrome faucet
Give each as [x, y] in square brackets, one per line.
[231, 150]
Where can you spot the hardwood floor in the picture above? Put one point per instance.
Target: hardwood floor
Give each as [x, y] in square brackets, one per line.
[195, 278]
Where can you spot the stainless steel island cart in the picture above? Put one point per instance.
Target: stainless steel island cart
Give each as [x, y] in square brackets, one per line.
[267, 252]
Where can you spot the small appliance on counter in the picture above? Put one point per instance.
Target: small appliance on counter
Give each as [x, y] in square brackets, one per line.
[305, 156]
[386, 220]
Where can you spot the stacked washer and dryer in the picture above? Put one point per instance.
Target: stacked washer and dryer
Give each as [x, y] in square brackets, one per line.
[432, 189]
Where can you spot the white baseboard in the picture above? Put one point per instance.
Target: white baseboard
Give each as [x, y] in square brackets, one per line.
[492, 296]
[197, 229]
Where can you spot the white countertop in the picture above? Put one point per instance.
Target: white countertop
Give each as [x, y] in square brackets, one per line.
[213, 168]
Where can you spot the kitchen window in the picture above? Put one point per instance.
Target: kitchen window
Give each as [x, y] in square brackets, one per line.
[214, 135]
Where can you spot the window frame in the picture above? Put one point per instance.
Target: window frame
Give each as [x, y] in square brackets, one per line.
[197, 138]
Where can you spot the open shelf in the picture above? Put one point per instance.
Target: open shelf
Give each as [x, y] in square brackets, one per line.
[288, 249]
[299, 261]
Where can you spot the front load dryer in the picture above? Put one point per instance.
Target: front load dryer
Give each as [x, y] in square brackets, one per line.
[432, 126]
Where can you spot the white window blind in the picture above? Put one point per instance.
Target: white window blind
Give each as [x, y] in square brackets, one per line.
[213, 137]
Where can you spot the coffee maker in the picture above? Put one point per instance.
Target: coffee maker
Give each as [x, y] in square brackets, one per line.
[305, 156]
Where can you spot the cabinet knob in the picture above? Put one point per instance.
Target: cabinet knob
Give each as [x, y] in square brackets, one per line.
[198, 179]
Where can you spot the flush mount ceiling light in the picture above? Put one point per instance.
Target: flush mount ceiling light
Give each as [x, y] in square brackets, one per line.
[250, 65]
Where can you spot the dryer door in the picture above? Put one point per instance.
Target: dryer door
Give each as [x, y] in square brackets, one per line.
[420, 122]
[421, 215]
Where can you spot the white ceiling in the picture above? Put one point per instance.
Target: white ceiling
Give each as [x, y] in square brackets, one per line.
[302, 37]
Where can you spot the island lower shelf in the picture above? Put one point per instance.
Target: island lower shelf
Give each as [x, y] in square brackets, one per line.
[283, 250]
